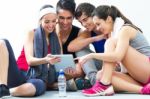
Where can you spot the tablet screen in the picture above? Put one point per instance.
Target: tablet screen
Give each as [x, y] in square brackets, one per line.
[67, 61]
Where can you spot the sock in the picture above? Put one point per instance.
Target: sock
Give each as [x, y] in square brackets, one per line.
[104, 84]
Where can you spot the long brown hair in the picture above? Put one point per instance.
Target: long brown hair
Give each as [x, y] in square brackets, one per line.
[103, 11]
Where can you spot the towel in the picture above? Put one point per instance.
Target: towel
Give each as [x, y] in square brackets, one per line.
[119, 22]
[40, 51]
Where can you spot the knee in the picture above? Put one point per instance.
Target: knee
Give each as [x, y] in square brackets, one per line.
[3, 47]
[2, 43]
[28, 86]
[39, 86]
[27, 89]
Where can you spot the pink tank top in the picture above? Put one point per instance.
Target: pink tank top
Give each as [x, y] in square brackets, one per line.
[22, 62]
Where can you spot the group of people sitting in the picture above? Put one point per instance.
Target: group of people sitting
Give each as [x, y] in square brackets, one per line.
[115, 46]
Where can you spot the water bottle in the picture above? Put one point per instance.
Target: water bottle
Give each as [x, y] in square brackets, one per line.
[62, 84]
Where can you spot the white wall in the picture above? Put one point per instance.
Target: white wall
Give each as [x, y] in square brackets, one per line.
[19, 16]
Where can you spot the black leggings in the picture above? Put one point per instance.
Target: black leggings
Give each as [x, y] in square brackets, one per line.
[16, 77]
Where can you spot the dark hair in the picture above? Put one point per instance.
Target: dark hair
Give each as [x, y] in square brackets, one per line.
[85, 8]
[46, 6]
[69, 5]
[103, 11]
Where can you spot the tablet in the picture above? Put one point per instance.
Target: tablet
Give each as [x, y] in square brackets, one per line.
[67, 61]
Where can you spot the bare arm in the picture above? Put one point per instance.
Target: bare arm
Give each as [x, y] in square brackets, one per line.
[83, 40]
[121, 47]
[31, 60]
[28, 46]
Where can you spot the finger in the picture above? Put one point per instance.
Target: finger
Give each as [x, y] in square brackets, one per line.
[76, 60]
[50, 55]
[58, 59]
[82, 62]
[71, 70]
[66, 71]
[79, 65]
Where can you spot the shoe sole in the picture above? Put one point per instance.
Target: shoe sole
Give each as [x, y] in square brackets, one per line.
[5, 97]
[107, 92]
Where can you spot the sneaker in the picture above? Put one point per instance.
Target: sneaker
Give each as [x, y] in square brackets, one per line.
[4, 91]
[99, 90]
[146, 89]
[82, 83]
[70, 85]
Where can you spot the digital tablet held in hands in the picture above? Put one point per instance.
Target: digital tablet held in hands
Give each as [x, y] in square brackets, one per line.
[67, 61]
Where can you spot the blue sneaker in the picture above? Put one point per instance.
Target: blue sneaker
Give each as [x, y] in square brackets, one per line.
[83, 83]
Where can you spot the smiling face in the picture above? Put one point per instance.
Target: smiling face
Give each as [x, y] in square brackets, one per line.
[104, 26]
[48, 22]
[87, 22]
[65, 19]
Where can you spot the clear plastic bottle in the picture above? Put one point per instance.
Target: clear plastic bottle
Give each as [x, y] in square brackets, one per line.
[62, 84]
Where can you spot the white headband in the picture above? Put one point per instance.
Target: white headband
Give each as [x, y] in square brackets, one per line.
[46, 11]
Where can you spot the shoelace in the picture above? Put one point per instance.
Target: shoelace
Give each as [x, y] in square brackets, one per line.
[99, 88]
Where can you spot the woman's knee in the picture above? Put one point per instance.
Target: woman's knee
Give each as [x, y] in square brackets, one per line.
[2, 43]
[3, 48]
[23, 90]
[39, 85]
[32, 88]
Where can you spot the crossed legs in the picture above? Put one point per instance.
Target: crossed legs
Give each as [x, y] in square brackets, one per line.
[22, 88]
[138, 70]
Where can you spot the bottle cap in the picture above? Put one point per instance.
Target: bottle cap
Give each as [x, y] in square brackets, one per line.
[61, 72]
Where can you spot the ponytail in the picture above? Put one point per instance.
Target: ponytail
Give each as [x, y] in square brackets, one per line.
[115, 12]
[103, 11]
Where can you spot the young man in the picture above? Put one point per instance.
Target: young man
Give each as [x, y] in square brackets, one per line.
[67, 33]
[83, 15]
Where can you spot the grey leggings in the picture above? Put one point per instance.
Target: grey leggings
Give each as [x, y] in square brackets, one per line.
[91, 67]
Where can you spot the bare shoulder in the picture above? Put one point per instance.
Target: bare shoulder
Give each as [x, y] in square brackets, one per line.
[30, 32]
[29, 35]
[128, 31]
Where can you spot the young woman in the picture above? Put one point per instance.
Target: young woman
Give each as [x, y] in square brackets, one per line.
[126, 45]
[40, 43]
